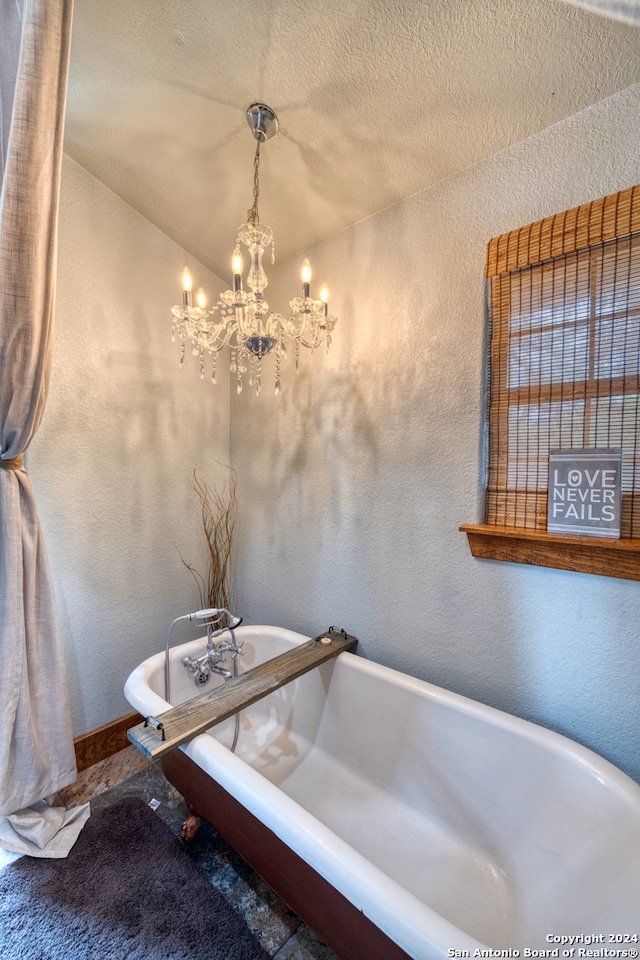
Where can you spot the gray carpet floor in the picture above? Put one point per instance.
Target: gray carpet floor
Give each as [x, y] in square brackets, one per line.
[278, 931]
[128, 889]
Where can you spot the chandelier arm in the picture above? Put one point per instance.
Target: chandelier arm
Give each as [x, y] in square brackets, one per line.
[298, 322]
[318, 338]
[238, 318]
[214, 338]
[220, 342]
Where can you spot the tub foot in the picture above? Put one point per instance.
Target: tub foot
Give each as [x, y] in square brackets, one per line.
[190, 825]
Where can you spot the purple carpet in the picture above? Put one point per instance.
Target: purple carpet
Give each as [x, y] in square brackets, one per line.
[127, 891]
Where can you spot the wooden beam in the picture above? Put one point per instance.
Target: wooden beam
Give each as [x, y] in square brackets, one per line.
[158, 735]
[104, 742]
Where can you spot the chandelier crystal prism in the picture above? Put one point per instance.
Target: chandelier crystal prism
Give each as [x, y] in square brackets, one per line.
[242, 319]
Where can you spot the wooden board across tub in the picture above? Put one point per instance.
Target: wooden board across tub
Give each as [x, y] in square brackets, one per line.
[158, 735]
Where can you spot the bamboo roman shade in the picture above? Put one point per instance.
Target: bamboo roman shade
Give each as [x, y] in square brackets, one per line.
[565, 353]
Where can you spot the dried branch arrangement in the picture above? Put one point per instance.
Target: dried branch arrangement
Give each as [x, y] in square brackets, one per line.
[219, 509]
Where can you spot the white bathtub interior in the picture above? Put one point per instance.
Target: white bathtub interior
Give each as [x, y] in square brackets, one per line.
[505, 830]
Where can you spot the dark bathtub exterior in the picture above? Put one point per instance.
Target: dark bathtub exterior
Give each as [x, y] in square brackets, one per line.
[342, 926]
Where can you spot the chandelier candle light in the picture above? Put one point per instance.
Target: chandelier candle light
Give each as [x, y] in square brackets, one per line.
[241, 319]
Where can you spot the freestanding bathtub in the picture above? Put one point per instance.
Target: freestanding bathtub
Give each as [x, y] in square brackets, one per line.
[401, 820]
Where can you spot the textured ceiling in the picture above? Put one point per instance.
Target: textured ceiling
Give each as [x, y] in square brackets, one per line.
[377, 99]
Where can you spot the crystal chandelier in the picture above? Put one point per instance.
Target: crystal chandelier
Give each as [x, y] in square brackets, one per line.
[242, 319]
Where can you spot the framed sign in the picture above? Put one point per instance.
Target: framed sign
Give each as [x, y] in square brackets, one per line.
[585, 492]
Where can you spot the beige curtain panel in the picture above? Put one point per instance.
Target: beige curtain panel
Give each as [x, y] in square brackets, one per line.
[36, 746]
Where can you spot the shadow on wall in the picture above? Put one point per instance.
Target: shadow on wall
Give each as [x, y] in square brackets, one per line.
[320, 452]
[340, 428]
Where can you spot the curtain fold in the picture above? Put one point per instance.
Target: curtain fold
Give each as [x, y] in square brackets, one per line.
[626, 10]
[36, 745]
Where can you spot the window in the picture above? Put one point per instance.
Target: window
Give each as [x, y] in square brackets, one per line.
[564, 357]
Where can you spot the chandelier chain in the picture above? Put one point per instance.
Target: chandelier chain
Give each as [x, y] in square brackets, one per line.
[254, 216]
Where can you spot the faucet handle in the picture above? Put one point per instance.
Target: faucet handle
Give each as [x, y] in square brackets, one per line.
[216, 654]
[238, 649]
[232, 647]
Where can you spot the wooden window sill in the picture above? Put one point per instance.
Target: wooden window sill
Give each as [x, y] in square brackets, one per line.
[608, 558]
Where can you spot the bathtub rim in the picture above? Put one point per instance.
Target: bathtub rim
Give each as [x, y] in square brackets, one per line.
[558, 742]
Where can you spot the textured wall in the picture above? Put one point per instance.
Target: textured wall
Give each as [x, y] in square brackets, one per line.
[122, 433]
[353, 482]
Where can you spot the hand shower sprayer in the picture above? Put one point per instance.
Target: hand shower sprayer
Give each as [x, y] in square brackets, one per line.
[213, 614]
[202, 614]
[210, 617]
